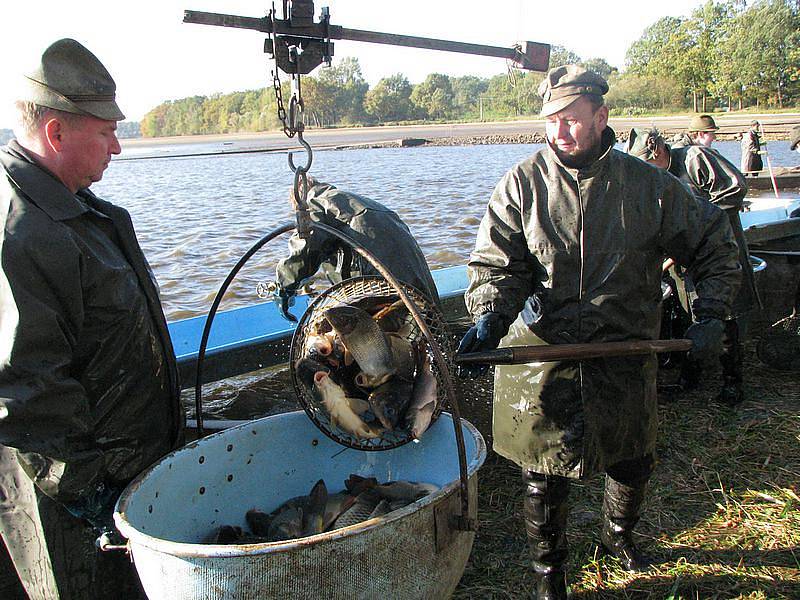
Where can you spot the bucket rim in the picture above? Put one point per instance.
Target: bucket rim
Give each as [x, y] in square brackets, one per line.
[196, 550]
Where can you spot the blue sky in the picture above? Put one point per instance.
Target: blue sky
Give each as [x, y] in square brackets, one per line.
[153, 56]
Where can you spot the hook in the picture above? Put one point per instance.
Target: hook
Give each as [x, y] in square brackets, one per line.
[307, 148]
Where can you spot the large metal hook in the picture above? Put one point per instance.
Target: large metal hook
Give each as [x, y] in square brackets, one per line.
[310, 155]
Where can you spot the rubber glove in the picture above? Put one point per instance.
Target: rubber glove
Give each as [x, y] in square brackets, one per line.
[97, 507]
[283, 300]
[486, 334]
[706, 335]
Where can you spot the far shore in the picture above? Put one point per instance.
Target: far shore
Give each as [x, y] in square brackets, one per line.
[776, 127]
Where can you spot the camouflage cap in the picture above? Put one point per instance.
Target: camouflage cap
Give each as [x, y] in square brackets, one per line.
[70, 78]
[565, 84]
[794, 137]
[643, 143]
[702, 123]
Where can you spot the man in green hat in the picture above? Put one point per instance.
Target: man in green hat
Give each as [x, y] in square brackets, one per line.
[711, 177]
[701, 132]
[89, 392]
[751, 149]
[570, 251]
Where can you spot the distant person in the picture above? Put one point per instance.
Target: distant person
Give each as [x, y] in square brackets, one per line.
[751, 149]
[703, 130]
[794, 139]
[380, 230]
[569, 251]
[89, 393]
[711, 177]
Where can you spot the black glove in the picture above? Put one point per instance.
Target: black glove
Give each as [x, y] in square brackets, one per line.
[283, 300]
[486, 334]
[97, 507]
[706, 336]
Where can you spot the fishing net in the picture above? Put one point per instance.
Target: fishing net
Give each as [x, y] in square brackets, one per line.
[372, 294]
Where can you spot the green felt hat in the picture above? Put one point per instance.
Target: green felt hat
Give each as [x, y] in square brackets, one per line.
[563, 85]
[70, 78]
[702, 123]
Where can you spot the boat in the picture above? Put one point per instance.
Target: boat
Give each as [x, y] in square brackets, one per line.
[784, 178]
[256, 336]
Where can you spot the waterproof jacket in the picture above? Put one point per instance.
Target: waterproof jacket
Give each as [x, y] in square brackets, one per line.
[751, 147]
[378, 229]
[712, 177]
[89, 393]
[579, 252]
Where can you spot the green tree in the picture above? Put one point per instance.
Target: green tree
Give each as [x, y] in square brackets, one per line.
[347, 89]
[599, 66]
[434, 96]
[390, 99]
[561, 56]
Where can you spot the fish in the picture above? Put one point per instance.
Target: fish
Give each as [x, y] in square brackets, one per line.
[410, 491]
[226, 534]
[355, 484]
[393, 318]
[287, 525]
[335, 506]
[314, 510]
[258, 521]
[382, 508]
[424, 397]
[343, 411]
[306, 368]
[360, 510]
[404, 356]
[390, 400]
[362, 337]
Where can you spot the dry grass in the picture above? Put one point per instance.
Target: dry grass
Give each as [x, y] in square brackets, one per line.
[723, 511]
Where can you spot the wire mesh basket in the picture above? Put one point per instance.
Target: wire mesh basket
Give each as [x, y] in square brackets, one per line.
[372, 294]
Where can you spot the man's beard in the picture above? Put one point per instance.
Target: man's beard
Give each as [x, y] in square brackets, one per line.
[583, 158]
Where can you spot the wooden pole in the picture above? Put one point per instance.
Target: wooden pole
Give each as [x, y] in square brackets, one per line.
[517, 355]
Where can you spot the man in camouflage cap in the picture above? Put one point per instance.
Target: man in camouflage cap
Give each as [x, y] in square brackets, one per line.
[89, 394]
[570, 251]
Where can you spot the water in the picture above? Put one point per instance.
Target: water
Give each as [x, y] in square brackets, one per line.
[196, 216]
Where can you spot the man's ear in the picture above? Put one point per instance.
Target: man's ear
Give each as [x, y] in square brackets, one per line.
[54, 131]
[602, 117]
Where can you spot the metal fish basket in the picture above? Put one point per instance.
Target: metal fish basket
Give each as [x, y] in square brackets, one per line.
[415, 552]
[375, 289]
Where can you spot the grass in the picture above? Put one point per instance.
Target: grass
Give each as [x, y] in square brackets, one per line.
[722, 513]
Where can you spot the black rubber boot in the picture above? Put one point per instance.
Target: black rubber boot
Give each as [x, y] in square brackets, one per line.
[546, 511]
[689, 379]
[620, 514]
[732, 363]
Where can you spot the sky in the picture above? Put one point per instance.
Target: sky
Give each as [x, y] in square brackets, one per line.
[154, 57]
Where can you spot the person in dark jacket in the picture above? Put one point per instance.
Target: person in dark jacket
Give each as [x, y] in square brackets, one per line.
[570, 251]
[711, 177]
[89, 392]
[380, 230]
[751, 150]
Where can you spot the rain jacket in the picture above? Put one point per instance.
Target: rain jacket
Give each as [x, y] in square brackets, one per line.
[579, 252]
[89, 392]
[376, 227]
[751, 145]
[712, 177]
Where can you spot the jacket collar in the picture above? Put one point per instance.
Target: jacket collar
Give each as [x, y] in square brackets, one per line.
[607, 140]
[40, 185]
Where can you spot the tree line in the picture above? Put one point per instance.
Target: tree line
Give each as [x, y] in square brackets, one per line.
[724, 55]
